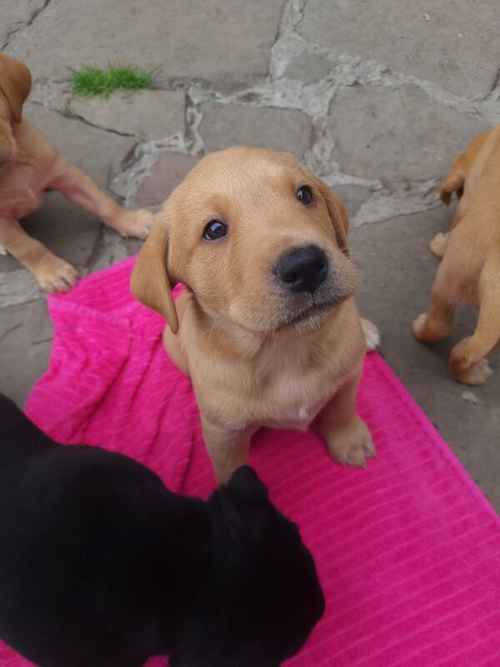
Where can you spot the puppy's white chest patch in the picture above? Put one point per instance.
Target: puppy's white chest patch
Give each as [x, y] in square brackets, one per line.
[296, 419]
[297, 401]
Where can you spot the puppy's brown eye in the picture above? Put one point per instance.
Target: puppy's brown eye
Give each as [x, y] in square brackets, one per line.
[305, 195]
[214, 230]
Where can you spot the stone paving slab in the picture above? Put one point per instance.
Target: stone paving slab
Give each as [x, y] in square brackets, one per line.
[145, 115]
[165, 174]
[454, 44]
[397, 133]
[225, 125]
[206, 39]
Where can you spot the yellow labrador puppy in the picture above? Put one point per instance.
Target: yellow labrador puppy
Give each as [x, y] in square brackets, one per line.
[470, 269]
[29, 166]
[267, 327]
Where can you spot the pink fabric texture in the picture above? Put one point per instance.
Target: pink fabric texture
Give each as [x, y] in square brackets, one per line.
[408, 550]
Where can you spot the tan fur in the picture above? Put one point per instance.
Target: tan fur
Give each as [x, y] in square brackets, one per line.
[29, 165]
[251, 365]
[470, 268]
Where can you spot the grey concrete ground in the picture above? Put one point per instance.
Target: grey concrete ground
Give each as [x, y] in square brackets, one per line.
[377, 97]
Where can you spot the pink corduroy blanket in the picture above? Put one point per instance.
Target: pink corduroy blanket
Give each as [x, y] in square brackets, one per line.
[408, 550]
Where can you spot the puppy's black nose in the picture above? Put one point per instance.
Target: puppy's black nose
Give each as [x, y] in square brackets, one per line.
[302, 269]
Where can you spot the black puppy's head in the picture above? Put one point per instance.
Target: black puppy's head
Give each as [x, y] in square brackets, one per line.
[262, 597]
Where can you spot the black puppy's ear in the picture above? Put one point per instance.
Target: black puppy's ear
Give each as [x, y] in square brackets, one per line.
[245, 483]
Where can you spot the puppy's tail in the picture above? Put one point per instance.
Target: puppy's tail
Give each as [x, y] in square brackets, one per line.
[454, 182]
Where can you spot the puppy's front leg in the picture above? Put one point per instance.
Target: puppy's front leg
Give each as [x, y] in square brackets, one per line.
[227, 449]
[79, 188]
[346, 434]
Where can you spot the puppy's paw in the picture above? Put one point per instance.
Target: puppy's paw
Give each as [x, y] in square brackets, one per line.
[464, 365]
[438, 245]
[54, 274]
[476, 375]
[352, 444]
[372, 334]
[2, 250]
[419, 327]
[429, 332]
[136, 223]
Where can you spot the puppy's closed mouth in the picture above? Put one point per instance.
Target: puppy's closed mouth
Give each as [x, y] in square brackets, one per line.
[311, 311]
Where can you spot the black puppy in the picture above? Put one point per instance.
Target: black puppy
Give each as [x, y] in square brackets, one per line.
[102, 566]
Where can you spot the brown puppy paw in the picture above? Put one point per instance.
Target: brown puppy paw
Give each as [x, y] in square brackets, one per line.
[418, 327]
[475, 375]
[133, 223]
[54, 274]
[464, 365]
[352, 444]
[429, 332]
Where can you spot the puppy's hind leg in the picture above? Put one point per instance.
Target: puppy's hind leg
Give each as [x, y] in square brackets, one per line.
[437, 324]
[467, 361]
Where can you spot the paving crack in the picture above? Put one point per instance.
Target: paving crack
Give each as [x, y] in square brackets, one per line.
[292, 16]
[494, 85]
[41, 341]
[70, 115]
[19, 26]
[7, 332]
[74, 116]
[36, 13]
[127, 179]
[412, 197]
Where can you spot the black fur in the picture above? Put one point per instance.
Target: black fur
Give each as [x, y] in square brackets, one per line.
[102, 566]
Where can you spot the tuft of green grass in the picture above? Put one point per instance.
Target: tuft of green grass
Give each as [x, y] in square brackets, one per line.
[89, 81]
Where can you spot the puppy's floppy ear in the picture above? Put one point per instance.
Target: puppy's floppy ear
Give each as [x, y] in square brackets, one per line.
[150, 283]
[15, 84]
[245, 483]
[338, 214]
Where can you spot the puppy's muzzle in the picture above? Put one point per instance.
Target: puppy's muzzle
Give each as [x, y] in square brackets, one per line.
[302, 269]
